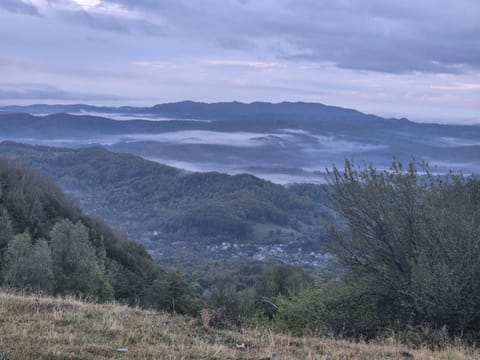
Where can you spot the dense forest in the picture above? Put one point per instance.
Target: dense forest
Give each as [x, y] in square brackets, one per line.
[176, 214]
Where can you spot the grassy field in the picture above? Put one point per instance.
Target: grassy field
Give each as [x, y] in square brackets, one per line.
[46, 328]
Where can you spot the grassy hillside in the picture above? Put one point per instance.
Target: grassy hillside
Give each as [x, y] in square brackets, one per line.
[47, 328]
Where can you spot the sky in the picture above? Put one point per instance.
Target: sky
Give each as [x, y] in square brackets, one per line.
[408, 58]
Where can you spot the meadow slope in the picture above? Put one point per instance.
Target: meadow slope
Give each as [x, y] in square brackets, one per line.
[47, 328]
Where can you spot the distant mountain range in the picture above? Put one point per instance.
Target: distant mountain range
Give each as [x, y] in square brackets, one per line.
[214, 111]
[284, 142]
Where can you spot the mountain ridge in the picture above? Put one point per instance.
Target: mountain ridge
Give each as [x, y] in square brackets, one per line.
[198, 108]
[259, 138]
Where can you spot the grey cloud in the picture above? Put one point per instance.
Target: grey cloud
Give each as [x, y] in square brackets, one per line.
[18, 6]
[55, 69]
[6, 62]
[99, 22]
[42, 92]
[111, 23]
[376, 35]
[371, 35]
[233, 43]
[160, 5]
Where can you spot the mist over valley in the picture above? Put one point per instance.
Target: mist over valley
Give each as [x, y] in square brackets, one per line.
[284, 143]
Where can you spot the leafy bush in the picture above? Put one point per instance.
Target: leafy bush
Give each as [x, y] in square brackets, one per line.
[413, 245]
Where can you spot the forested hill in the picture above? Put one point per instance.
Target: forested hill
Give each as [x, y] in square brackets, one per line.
[47, 244]
[177, 213]
[20, 125]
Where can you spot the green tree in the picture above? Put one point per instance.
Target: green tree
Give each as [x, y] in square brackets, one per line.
[172, 292]
[28, 266]
[76, 268]
[17, 261]
[6, 235]
[41, 267]
[279, 280]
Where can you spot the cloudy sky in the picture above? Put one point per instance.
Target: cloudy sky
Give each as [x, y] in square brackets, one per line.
[418, 59]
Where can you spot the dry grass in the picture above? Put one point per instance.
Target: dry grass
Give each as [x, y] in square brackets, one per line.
[46, 328]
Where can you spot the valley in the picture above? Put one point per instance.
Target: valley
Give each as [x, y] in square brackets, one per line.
[190, 216]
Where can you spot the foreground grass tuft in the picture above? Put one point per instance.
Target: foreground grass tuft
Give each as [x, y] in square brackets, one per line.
[47, 328]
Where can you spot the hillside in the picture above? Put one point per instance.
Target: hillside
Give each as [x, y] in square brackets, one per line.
[47, 244]
[22, 125]
[177, 213]
[47, 328]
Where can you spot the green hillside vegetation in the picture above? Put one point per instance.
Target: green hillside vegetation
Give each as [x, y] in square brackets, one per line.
[407, 263]
[410, 259]
[175, 213]
[48, 245]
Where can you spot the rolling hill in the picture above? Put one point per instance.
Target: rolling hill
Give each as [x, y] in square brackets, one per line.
[177, 214]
